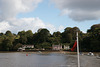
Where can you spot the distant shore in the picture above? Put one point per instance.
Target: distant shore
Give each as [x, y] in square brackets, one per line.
[48, 51]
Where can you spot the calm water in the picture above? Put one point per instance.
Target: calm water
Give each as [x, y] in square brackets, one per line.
[33, 60]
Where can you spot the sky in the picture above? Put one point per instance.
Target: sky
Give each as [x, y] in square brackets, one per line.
[55, 15]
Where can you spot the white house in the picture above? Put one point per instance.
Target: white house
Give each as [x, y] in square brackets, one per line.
[24, 47]
[28, 46]
[56, 47]
[66, 47]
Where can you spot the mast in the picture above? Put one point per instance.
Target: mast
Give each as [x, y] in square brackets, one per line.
[78, 50]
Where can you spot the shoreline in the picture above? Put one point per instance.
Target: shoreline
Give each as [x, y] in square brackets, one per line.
[64, 52]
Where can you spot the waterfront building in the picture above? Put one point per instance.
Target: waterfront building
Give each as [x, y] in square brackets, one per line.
[66, 47]
[56, 47]
[28, 46]
[24, 47]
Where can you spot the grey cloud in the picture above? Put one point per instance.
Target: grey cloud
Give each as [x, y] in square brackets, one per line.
[81, 10]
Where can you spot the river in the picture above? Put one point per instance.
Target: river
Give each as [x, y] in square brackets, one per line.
[19, 59]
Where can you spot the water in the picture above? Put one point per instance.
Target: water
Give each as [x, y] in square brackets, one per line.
[33, 60]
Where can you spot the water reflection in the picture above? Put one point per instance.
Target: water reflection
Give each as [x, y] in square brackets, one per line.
[33, 60]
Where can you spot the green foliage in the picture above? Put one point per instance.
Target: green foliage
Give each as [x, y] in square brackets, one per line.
[41, 36]
[91, 42]
[42, 39]
[29, 36]
[23, 38]
[17, 46]
[56, 39]
[69, 34]
[8, 33]
[7, 45]
[44, 45]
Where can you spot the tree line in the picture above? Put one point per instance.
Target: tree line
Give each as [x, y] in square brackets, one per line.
[89, 41]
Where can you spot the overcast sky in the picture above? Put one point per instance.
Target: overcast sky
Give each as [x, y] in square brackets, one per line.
[55, 15]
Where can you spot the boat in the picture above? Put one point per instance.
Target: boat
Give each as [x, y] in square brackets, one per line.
[39, 51]
[98, 57]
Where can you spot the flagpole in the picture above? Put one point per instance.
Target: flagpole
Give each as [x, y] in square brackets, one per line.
[78, 51]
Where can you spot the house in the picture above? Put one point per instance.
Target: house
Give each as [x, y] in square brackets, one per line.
[56, 47]
[66, 47]
[28, 46]
[25, 46]
[21, 49]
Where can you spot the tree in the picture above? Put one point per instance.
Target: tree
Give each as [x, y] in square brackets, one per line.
[23, 37]
[7, 43]
[56, 39]
[46, 45]
[93, 27]
[17, 46]
[68, 35]
[8, 33]
[91, 42]
[40, 37]
[1, 41]
[29, 33]
[57, 34]
[43, 35]
[29, 36]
